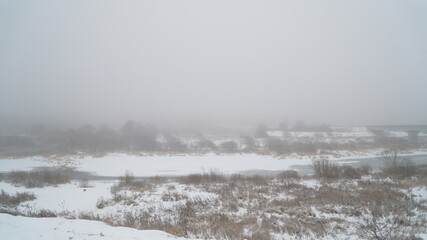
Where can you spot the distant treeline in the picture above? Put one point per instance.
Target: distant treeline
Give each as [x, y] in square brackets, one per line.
[136, 137]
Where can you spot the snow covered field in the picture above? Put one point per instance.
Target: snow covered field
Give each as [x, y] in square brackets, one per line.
[70, 198]
[166, 201]
[117, 164]
[257, 202]
[182, 165]
[172, 165]
[21, 228]
[155, 202]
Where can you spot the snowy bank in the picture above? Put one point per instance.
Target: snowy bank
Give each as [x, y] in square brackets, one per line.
[17, 228]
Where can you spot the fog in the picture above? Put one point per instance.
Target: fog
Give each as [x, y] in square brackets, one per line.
[217, 62]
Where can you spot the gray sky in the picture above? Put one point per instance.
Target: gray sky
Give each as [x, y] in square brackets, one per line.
[229, 62]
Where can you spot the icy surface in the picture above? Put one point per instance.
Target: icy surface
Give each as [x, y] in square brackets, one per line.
[181, 165]
[117, 164]
[172, 165]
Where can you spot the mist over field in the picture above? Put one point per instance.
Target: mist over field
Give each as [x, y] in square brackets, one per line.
[213, 119]
[226, 63]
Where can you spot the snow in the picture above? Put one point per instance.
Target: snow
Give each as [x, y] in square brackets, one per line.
[29, 163]
[118, 164]
[173, 165]
[22, 164]
[278, 134]
[420, 193]
[351, 132]
[66, 197]
[422, 236]
[72, 199]
[17, 228]
[181, 165]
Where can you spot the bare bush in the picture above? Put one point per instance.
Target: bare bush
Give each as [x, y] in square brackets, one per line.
[173, 197]
[377, 227]
[205, 145]
[260, 235]
[407, 168]
[14, 200]
[174, 144]
[34, 179]
[391, 160]
[84, 183]
[129, 182]
[42, 213]
[324, 168]
[89, 216]
[421, 171]
[229, 146]
[128, 178]
[289, 177]
[350, 172]
[396, 165]
[102, 203]
[205, 178]
[365, 169]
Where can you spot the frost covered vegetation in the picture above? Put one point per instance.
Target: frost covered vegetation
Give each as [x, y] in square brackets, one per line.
[13, 200]
[33, 179]
[135, 138]
[257, 207]
[355, 204]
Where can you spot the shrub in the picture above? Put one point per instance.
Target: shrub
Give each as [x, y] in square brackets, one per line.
[324, 168]
[350, 172]
[43, 213]
[289, 174]
[129, 182]
[14, 200]
[205, 145]
[407, 168]
[229, 146]
[197, 178]
[289, 177]
[101, 203]
[128, 178]
[396, 165]
[34, 179]
[84, 183]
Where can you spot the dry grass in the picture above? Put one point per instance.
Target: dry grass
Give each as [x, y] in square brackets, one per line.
[42, 213]
[325, 169]
[266, 211]
[129, 182]
[35, 179]
[260, 208]
[205, 178]
[267, 214]
[14, 200]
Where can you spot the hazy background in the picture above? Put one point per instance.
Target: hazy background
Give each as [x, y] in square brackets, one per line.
[213, 62]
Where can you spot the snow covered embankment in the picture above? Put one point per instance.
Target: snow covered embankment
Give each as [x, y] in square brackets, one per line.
[17, 228]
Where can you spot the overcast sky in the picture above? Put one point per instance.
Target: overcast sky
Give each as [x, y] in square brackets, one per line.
[228, 62]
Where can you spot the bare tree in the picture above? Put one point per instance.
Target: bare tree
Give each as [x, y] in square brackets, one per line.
[391, 160]
[261, 131]
[249, 143]
[324, 168]
[229, 146]
[395, 164]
